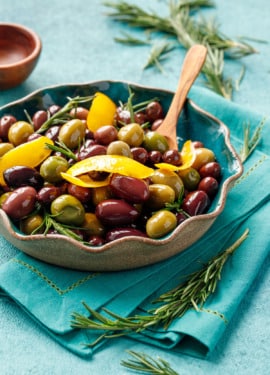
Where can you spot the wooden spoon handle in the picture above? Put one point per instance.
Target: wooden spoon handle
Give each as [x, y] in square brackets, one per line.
[191, 68]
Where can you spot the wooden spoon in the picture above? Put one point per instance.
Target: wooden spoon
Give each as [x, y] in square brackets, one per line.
[191, 68]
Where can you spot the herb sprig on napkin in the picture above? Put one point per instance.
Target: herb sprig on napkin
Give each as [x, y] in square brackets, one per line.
[191, 294]
[185, 23]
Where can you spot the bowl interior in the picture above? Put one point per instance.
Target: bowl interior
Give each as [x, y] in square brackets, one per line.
[16, 44]
[194, 124]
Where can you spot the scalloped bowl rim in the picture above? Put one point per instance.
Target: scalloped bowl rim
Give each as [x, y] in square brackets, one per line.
[139, 240]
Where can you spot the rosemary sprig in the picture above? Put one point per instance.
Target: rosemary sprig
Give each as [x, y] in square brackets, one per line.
[133, 108]
[176, 205]
[63, 113]
[146, 364]
[63, 149]
[183, 23]
[60, 228]
[250, 142]
[158, 52]
[191, 294]
[49, 222]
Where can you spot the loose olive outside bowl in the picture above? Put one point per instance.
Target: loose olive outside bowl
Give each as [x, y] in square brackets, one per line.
[20, 48]
[129, 252]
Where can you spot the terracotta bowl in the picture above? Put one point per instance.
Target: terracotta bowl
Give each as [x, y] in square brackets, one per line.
[128, 252]
[20, 49]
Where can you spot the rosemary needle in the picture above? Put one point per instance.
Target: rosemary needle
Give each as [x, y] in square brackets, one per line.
[130, 40]
[191, 294]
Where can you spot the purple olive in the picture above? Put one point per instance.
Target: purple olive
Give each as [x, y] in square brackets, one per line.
[156, 124]
[116, 233]
[172, 157]
[80, 192]
[92, 150]
[20, 203]
[140, 118]
[53, 109]
[96, 240]
[105, 134]
[211, 169]
[154, 111]
[129, 188]
[196, 203]
[139, 154]
[116, 212]
[122, 116]
[154, 157]
[23, 176]
[52, 132]
[33, 136]
[209, 185]
[180, 217]
[48, 193]
[39, 118]
[5, 123]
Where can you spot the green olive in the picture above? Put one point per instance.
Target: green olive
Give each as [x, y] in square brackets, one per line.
[52, 167]
[203, 156]
[132, 134]
[170, 178]
[160, 224]
[67, 209]
[159, 195]
[155, 142]
[190, 178]
[72, 133]
[32, 223]
[5, 147]
[119, 148]
[92, 225]
[19, 132]
[3, 197]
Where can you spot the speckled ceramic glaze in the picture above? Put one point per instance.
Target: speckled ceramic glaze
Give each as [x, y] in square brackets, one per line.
[129, 252]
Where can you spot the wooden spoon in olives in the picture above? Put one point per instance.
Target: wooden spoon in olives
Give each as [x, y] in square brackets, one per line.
[191, 68]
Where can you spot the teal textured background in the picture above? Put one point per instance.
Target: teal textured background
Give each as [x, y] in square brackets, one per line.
[78, 47]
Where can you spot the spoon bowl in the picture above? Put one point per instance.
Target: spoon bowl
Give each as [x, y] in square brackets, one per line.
[191, 68]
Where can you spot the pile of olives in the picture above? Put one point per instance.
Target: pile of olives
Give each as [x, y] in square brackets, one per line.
[39, 200]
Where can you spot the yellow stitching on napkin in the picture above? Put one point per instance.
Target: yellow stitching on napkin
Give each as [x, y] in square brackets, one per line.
[51, 283]
[214, 312]
[250, 170]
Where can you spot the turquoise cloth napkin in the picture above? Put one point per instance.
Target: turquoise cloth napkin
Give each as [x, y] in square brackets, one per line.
[51, 294]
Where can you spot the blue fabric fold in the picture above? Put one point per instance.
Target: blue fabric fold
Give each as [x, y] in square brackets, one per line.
[50, 294]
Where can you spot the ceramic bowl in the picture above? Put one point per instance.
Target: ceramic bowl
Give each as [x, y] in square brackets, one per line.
[128, 252]
[20, 49]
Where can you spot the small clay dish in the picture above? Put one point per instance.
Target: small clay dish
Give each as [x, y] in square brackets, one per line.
[20, 49]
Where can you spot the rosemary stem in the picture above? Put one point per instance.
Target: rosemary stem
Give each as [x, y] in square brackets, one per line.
[191, 294]
[72, 103]
[188, 30]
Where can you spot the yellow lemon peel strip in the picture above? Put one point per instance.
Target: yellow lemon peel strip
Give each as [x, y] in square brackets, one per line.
[29, 154]
[105, 163]
[101, 112]
[85, 181]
